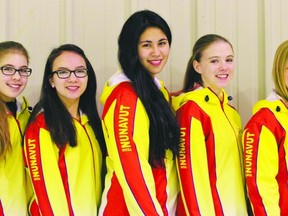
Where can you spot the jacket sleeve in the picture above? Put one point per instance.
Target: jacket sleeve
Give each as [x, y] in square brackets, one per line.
[42, 161]
[261, 142]
[193, 161]
[126, 125]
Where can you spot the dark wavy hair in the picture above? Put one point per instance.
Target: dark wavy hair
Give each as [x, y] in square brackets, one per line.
[58, 119]
[192, 76]
[164, 131]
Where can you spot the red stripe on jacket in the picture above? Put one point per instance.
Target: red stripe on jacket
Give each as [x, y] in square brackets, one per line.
[128, 154]
[192, 109]
[279, 132]
[35, 164]
[64, 174]
[1, 209]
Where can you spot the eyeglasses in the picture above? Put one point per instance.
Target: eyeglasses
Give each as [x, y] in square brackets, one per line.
[10, 71]
[65, 73]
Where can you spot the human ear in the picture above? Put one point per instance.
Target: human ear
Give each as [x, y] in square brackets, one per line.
[196, 66]
[51, 83]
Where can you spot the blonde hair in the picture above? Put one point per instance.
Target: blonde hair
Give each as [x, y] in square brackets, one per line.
[279, 67]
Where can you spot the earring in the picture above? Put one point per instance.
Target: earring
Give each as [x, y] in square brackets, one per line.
[52, 85]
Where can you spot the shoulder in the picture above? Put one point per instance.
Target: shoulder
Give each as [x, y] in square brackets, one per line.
[38, 121]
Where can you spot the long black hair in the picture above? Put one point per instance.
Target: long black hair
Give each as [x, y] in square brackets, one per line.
[192, 77]
[164, 130]
[58, 119]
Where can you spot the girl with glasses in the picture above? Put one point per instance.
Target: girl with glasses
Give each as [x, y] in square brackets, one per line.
[64, 142]
[14, 61]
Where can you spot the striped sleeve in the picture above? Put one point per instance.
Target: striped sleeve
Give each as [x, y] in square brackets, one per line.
[194, 162]
[262, 138]
[126, 124]
[43, 170]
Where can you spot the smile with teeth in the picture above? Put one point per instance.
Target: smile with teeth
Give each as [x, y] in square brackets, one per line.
[155, 62]
[14, 85]
[222, 75]
[72, 88]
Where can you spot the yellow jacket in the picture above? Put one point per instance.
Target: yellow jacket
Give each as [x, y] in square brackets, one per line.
[265, 147]
[65, 181]
[132, 186]
[210, 159]
[12, 174]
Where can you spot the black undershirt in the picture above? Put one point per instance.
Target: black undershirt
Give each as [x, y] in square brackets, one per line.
[12, 107]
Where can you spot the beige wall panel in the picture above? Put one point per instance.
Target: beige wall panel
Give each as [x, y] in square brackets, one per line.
[276, 32]
[247, 52]
[4, 27]
[255, 29]
[182, 19]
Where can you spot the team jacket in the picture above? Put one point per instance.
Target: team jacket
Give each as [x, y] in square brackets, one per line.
[12, 174]
[132, 186]
[266, 154]
[210, 163]
[66, 181]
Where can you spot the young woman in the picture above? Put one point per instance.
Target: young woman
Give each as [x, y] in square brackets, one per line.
[14, 60]
[64, 138]
[210, 156]
[140, 128]
[266, 145]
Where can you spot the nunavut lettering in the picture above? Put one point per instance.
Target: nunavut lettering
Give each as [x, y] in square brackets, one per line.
[182, 151]
[248, 154]
[123, 129]
[32, 160]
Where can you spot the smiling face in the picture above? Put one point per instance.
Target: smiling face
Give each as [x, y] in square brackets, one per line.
[153, 50]
[70, 89]
[12, 86]
[216, 66]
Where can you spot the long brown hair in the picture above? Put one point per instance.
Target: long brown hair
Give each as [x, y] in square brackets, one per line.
[5, 143]
[192, 77]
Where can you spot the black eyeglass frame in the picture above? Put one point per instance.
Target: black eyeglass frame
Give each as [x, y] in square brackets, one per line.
[20, 71]
[70, 72]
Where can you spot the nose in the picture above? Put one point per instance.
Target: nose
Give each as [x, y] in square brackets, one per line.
[16, 76]
[155, 50]
[223, 66]
[72, 76]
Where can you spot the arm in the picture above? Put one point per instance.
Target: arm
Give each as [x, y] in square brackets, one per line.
[261, 162]
[49, 195]
[126, 123]
[193, 160]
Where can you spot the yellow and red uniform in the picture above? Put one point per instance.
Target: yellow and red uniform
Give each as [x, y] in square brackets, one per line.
[67, 180]
[132, 185]
[210, 158]
[265, 150]
[12, 173]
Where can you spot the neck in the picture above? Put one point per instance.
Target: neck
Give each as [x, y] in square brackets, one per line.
[73, 109]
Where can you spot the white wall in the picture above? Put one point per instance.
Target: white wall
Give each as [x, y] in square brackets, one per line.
[255, 28]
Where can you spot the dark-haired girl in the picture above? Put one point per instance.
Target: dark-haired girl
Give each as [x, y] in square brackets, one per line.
[140, 128]
[64, 140]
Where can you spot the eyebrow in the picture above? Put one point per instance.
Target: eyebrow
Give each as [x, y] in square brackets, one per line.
[78, 67]
[220, 57]
[10, 65]
[149, 41]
